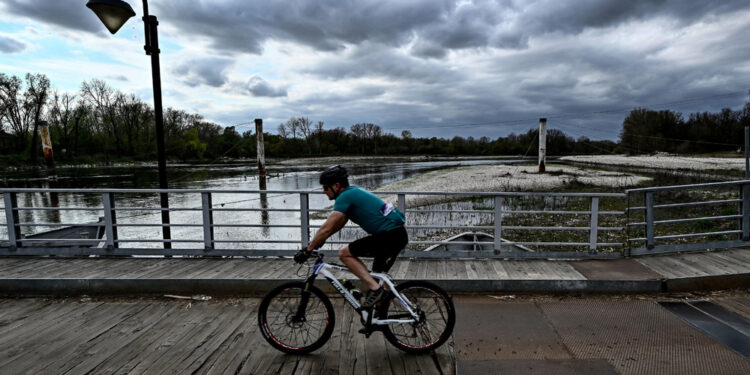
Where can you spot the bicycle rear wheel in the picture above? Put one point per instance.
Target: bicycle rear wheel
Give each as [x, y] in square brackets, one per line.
[289, 331]
[437, 317]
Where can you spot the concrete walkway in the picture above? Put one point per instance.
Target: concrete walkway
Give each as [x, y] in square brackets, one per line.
[236, 277]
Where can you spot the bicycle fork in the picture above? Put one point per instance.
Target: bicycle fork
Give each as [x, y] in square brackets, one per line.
[304, 300]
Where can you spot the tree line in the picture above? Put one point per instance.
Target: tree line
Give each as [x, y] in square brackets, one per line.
[646, 131]
[101, 124]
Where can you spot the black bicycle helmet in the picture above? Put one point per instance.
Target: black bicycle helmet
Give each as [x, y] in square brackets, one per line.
[333, 175]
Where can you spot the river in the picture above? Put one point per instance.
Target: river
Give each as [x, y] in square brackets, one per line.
[299, 175]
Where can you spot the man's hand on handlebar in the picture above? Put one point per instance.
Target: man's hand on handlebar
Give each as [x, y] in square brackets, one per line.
[302, 256]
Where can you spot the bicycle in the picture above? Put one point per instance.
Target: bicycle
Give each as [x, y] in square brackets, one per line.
[297, 318]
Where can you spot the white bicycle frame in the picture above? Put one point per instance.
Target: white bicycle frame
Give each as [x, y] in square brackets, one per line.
[323, 268]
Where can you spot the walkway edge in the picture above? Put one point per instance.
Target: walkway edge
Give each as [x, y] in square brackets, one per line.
[255, 287]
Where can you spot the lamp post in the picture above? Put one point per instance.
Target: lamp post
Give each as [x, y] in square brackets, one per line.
[114, 14]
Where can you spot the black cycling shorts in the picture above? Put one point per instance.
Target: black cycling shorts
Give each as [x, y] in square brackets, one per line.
[383, 246]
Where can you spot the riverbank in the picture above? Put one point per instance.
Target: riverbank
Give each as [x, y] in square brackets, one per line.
[509, 178]
[661, 161]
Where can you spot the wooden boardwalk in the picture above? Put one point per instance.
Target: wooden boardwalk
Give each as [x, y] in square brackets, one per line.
[162, 336]
[275, 268]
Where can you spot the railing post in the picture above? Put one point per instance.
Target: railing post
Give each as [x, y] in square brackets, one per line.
[745, 212]
[11, 218]
[593, 224]
[208, 222]
[649, 220]
[402, 203]
[110, 220]
[498, 223]
[304, 215]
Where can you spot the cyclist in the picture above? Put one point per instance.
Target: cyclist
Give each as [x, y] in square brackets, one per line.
[384, 224]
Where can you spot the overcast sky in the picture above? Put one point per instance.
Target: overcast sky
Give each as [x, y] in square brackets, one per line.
[434, 67]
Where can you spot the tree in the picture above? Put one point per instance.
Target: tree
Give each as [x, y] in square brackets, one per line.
[20, 110]
[104, 101]
[292, 125]
[305, 128]
[319, 133]
[37, 92]
[61, 115]
[283, 133]
[359, 132]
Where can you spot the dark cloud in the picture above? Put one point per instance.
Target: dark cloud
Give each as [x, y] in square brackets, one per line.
[9, 45]
[71, 14]
[211, 71]
[432, 27]
[258, 86]
[374, 60]
[325, 25]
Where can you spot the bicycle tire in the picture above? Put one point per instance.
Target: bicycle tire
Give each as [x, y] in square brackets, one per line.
[275, 319]
[438, 319]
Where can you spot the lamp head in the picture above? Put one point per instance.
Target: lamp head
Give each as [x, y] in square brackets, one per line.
[112, 13]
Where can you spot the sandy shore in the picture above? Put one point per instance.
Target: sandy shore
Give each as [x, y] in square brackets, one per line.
[661, 161]
[509, 178]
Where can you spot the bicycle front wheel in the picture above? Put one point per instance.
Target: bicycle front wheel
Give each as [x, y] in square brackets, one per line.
[437, 316]
[291, 328]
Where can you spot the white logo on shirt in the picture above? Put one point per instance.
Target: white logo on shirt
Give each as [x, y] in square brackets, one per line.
[386, 209]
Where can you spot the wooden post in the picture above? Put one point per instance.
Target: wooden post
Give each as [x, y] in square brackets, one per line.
[261, 152]
[542, 143]
[262, 174]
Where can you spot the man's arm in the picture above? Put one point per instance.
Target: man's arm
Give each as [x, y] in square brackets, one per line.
[336, 220]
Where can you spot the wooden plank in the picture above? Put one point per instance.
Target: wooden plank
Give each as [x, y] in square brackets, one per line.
[398, 272]
[460, 272]
[698, 268]
[160, 268]
[30, 268]
[664, 266]
[471, 271]
[146, 348]
[228, 357]
[89, 355]
[397, 360]
[485, 269]
[375, 354]
[46, 322]
[212, 269]
[717, 265]
[733, 263]
[12, 310]
[8, 265]
[499, 267]
[189, 353]
[60, 342]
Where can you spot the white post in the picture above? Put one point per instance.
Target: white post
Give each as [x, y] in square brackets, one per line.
[542, 143]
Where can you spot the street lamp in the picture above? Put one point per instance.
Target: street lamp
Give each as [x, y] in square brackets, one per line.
[114, 14]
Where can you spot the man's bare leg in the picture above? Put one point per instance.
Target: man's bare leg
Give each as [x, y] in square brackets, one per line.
[357, 267]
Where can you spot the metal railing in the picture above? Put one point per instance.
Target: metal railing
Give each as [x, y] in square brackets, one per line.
[688, 217]
[275, 223]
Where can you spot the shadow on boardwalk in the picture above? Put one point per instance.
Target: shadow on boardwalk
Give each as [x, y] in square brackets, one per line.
[61, 336]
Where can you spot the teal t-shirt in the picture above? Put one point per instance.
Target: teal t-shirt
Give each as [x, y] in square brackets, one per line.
[368, 211]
